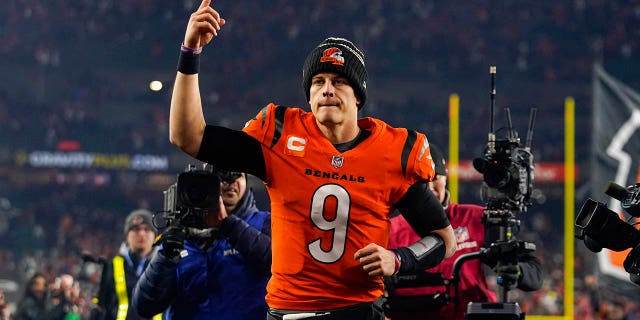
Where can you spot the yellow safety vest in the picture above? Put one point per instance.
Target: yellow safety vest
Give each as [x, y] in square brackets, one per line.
[121, 289]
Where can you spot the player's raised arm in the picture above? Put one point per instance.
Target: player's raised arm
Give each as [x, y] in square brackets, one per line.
[186, 119]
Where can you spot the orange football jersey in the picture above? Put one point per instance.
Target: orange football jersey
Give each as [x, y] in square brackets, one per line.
[326, 204]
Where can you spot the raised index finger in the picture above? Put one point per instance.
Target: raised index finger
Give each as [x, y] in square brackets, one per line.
[205, 3]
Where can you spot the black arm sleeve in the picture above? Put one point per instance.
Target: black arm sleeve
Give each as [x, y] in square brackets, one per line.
[422, 210]
[232, 150]
[424, 213]
[249, 241]
[157, 287]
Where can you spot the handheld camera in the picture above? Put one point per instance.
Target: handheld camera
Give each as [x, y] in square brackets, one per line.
[600, 227]
[190, 198]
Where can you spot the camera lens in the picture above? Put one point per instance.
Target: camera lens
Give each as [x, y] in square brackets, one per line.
[497, 176]
[197, 192]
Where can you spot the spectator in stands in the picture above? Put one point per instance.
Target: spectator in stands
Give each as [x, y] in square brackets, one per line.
[5, 311]
[616, 310]
[37, 304]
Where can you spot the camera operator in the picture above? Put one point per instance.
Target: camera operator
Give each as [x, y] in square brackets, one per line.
[122, 272]
[220, 272]
[471, 235]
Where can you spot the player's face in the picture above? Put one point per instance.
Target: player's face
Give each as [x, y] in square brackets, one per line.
[332, 99]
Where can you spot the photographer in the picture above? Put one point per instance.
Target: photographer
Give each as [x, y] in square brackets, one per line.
[219, 272]
[122, 272]
[471, 235]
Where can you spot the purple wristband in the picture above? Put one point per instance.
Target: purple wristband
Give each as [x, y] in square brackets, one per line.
[186, 49]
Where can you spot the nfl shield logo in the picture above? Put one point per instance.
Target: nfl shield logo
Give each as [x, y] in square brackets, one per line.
[462, 234]
[337, 161]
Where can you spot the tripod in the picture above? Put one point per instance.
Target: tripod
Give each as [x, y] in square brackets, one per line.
[506, 251]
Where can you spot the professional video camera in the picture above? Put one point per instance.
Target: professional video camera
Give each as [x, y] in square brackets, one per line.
[187, 201]
[507, 168]
[508, 173]
[601, 227]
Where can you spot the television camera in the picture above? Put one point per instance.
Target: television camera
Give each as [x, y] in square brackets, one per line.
[508, 174]
[599, 227]
[187, 201]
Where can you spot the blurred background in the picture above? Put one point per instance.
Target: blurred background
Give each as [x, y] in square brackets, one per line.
[86, 84]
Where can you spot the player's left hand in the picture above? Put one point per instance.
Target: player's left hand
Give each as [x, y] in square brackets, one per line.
[376, 260]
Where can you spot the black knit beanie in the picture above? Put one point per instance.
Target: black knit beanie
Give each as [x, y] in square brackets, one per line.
[341, 56]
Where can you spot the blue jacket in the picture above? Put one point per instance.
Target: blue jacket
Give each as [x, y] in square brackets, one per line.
[227, 281]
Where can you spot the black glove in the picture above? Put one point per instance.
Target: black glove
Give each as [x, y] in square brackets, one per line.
[173, 242]
[508, 274]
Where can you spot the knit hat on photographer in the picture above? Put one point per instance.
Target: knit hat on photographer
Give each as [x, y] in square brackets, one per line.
[138, 217]
[341, 56]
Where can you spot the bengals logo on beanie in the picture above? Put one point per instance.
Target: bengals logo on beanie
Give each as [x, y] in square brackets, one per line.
[333, 55]
[341, 56]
